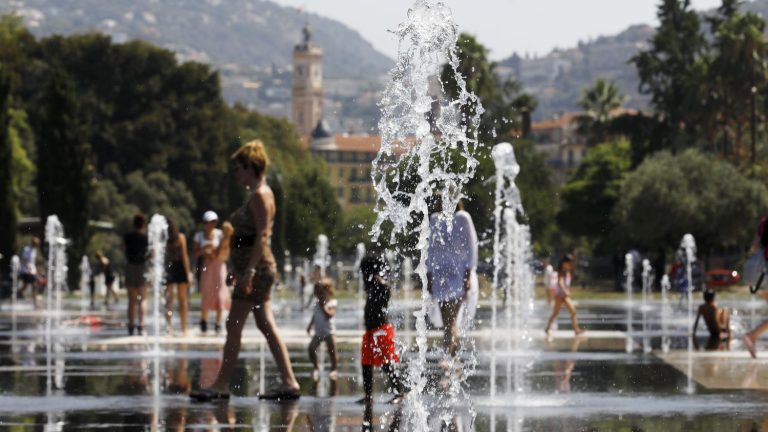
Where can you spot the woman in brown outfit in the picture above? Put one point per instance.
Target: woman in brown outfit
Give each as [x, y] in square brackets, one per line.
[255, 272]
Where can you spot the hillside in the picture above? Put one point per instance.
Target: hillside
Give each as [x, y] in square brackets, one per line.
[557, 78]
[253, 33]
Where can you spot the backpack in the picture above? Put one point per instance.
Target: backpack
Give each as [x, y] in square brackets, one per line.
[763, 233]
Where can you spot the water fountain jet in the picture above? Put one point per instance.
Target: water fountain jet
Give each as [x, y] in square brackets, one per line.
[418, 158]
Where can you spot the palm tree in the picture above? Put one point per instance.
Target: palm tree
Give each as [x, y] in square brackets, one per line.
[598, 103]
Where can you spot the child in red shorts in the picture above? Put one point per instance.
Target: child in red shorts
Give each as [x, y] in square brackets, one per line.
[379, 339]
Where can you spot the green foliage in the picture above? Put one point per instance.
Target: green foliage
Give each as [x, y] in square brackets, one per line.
[508, 109]
[669, 70]
[311, 209]
[589, 196]
[8, 198]
[64, 170]
[157, 192]
[353, 228]
[598, 102]
[740, 54]
[670, 195]
[507, 116]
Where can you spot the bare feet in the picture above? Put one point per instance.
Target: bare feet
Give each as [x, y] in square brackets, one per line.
[749, 344]
[315, 374]
[333, 375]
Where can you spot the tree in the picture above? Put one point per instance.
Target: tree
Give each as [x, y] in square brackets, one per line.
[508, 109]
[738, 72]
[589, 196]
[63, 160]
[671, 195]
[157, 192]
[671, 70]
[311, 209]
[8, 199]
[598, 103]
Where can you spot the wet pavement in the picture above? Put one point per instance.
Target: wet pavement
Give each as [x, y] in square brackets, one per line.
[91, 376]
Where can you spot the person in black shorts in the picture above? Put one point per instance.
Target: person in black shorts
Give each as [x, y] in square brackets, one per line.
[378, 347]
[136, 250]
[177, 272]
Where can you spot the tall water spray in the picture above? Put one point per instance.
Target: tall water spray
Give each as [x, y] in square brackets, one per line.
[688, 246]
[666, 286]
[157, 236]
[418, 158]
[647, 278]
[85, 280]
[629, 264]
[57, 273]
[15, 268]
[511, 258]
[322, 258]
[359, 255]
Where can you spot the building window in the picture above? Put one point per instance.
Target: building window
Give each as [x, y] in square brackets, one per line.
[369, 195]
[570, 158]
[354, 195]
[341, 172]
[340, 192]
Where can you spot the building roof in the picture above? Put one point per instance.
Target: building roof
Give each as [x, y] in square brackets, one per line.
[322, 130]
[555, 123]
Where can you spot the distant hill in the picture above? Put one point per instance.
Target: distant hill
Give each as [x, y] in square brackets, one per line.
[557, 78]
[247, 33]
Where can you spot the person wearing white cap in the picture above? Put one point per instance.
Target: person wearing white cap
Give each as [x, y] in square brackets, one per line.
[212, 244]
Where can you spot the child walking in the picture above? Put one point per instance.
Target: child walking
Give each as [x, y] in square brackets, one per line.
[325, 327]
[378, 347]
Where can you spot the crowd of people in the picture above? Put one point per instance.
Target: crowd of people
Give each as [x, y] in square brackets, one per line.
[242, 242]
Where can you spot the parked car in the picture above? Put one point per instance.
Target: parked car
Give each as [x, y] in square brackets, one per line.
[722, 278]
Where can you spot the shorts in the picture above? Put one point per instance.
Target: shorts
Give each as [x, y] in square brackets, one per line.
[27, 278]
[260, 290]
[175, 273]
[134, 275]
[379, 346]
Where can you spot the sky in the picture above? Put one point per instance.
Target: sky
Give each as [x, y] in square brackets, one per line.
[504, 26]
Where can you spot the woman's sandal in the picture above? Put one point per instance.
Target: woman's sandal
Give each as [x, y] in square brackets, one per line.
[281, 395]
[206, 395]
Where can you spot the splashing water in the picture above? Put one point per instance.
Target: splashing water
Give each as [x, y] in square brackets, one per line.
[511, 257]
[666, 286]
[322, 258]
[15, 268]
[419, 159]
[157, 236]
[629, 272]
[57, 274]
[647, 278]
[85, 280]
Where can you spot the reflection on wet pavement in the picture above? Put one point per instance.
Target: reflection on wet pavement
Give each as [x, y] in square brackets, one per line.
[98, 378]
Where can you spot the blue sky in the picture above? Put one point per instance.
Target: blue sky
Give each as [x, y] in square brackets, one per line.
[504, 26]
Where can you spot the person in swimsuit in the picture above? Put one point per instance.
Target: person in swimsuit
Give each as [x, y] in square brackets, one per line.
[176, 274]
[255, 272]
[563, 295]
[717, 320]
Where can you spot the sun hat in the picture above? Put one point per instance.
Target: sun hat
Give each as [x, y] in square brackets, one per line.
[210, 216]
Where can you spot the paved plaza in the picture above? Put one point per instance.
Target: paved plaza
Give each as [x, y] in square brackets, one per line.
[92, 376]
